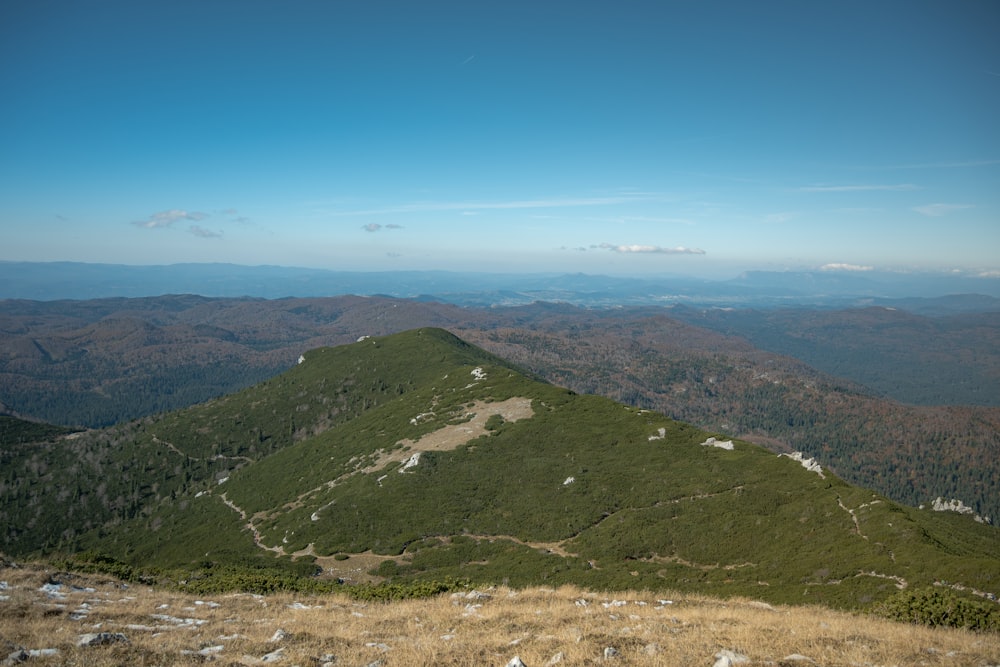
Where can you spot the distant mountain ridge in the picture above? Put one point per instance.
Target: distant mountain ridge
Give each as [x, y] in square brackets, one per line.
[427, 457]
[75, 280]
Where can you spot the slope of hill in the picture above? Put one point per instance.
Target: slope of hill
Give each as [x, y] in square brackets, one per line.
[196, 348]
[911, 454]
[433, 458]
[912, 358]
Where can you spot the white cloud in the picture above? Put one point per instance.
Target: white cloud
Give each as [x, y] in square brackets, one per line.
[372, 227]
[197, 230]
[935, 210]
[168, 217]
[845, 267]
[898, 187]
[650, 249]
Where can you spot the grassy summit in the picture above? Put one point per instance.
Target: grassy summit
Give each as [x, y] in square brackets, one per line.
[417, 456]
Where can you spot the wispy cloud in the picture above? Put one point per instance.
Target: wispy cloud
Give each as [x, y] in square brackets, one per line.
[936, 210]
[649, 249]
[197, 230]
[374, 227]
[469, 207]
[845, 267]
[895, 187]
[169, 217]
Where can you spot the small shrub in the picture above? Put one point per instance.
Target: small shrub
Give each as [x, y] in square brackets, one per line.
[405, 591]
[94, 562]
[936, 606]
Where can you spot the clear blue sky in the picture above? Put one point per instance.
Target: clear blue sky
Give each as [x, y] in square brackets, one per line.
[603, 137]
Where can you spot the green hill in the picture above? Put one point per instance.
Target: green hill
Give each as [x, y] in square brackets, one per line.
[426, 458]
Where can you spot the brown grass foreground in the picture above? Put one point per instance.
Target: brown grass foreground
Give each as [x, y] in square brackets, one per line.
[43, 610]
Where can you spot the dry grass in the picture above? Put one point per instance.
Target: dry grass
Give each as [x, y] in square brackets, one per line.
[539, 625]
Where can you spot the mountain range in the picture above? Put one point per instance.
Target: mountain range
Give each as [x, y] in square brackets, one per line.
[929, 292]
[418, 455]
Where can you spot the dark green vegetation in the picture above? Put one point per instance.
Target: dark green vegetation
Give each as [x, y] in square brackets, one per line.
[912, 358]
[517, 482]
[940, 607]
[187, 349]
[13, 430]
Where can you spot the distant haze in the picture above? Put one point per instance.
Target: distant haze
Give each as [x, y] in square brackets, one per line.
[928, 292]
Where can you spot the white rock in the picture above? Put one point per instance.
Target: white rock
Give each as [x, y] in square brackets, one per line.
[42, 652]
[809, 464]
[727, 658]
[101, 638]
[413, 460]
[516, 662]
[721, 444]
[273, 656]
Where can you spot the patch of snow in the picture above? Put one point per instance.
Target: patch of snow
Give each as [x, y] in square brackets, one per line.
[721, 444]
[809, 464]
[569, 480]
[223, 480]
[361, 338]
[661, 433]
[302, 358]
[411, 462]
[478, 373]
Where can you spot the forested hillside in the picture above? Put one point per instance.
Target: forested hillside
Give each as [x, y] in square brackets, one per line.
[917, 359]
[103, 361]
[429, 459]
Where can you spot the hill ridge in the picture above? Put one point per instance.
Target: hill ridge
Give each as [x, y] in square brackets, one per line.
[325, 461]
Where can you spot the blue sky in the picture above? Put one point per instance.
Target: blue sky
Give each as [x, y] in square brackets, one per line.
[625, 138]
